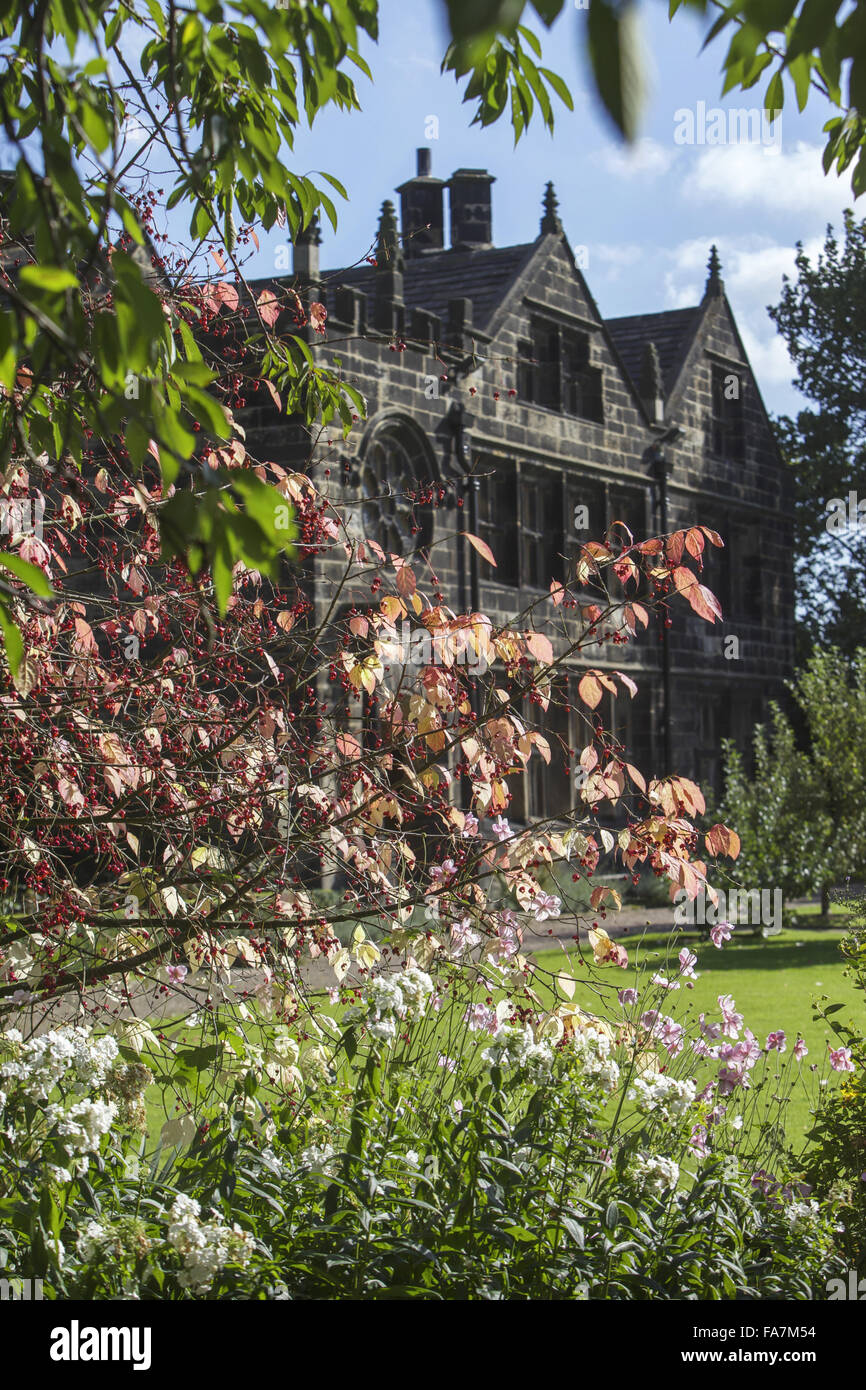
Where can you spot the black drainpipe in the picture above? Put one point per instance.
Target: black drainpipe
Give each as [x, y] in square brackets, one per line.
[662, 469]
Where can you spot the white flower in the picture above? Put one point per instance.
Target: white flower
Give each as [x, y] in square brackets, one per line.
[85, 1123]
[317, 1158]
[385, 995]
[383, 1029]
[285, 1047]
[802, 1216]
[204, 1246]
[415, 986]
[90, 1239]
[654, 1172]
[665, 1093]
[515, 1047]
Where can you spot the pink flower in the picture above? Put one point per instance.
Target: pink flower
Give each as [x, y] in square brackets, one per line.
[698, 1140]
[501, 828]
[470, 825]
[663, 982]
[745, 1052]
[721, 932]
[710, 1030]
[443, 874]
[750, 1046]
[463, 936]
[840, 1058]
[627, 997]
[800, 1049]
[508, 934]
[669, 1033]
[764, 1181]
[448, 1063]
[776, 1042]
[688, 961]
[732, 1077]
[176, 974]
[732, 1022]
[480, 1018]
[544, 905]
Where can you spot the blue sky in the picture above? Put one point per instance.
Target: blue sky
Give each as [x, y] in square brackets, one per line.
[646, 217]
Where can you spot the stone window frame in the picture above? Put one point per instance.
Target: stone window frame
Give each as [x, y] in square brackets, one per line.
[573, 382]
[509, 539]
[394, 460]
[727, 428]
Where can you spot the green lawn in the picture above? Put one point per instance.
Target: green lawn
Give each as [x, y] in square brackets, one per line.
[773, 981]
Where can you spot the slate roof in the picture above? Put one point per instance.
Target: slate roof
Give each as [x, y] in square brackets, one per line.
[484, 276]
[671, 331]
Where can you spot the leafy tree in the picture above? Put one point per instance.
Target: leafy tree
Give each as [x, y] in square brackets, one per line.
[801, 815]
[820, 316]
[95, 96]
[818, 49]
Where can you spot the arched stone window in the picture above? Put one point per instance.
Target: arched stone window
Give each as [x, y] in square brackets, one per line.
[395, 467]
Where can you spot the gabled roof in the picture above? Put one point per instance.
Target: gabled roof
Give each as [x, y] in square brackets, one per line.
[671, 330]
[483, 276]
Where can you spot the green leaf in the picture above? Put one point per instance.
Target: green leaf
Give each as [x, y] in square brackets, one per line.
[31, 575]
[559, 87]
[614, 47]
[39, 279]
[774, 99]
[14, 640]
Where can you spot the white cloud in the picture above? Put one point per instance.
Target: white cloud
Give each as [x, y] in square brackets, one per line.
[645, 156]
[607, 260]
[752, 269]
[778, 181]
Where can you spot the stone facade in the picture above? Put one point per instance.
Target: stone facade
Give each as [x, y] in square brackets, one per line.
[496, 363]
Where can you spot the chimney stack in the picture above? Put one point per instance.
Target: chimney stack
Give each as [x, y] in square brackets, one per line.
[471, 212]
[421, 210]
[305, 254]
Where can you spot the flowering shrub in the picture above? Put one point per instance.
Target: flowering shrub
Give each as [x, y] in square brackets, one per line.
[555, 1154]
[837, 1163]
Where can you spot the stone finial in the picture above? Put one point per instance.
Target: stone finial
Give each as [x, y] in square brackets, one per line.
[651, 387]
[388, 296]
[550, 222]
[715, 286]
[389, 255]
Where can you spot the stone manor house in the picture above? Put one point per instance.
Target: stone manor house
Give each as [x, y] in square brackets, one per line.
[490, 373]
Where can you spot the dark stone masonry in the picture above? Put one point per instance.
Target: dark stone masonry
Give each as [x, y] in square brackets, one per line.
[496, 361]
